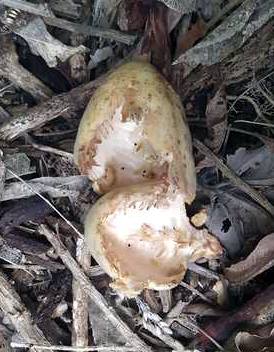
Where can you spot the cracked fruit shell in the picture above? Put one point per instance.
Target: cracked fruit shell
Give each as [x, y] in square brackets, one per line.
[142, 238]
[134, 130]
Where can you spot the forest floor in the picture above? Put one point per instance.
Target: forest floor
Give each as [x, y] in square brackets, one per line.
[219, 57]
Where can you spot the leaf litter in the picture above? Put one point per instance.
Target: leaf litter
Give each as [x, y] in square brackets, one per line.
[59, 55]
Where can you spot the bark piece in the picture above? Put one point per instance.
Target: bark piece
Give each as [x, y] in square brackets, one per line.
[17, 74]
[55, 187]
[229, 36]
[80, 300]
[68, 104]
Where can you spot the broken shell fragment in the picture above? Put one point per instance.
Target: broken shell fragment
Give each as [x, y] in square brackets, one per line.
[142, 238]
[134, 130]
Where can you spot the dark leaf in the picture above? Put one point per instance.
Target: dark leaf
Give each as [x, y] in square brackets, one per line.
[255, 166]
[56, 292]
[233, 218]
[16, 213]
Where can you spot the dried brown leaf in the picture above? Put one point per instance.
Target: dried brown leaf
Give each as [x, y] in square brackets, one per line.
[132, 15]
[261, 259]
[173, 18]
[203, 310]
[186, 40]
[216, 120]
[23, 210]
[150, 297]
[258, 311]
[156, 41]
[78, 69]
[166, 300]
[269, 142]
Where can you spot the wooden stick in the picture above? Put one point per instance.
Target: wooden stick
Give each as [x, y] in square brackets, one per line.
[70, 103]
[235, 179]
[91, 291]
[80, 300]
[76, 349]
[2, 176]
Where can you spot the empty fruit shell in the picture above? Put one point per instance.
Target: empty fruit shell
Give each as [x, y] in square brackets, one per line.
[134, 130]
[141, 236]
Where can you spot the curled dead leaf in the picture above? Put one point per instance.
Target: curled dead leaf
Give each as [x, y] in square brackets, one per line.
[247, 342]
[260, 259]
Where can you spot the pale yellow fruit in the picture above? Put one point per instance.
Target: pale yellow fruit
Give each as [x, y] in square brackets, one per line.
[134, 130]
[141, 236]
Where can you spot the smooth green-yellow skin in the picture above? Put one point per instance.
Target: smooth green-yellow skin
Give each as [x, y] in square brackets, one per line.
[134, 130]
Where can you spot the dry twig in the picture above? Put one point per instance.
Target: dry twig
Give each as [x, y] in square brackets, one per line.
[13, 307]
[2, 176]
[67, 103]
[91, 291]
[195, 292]
[55, 187]
[76, 349]
[80, 300]
[235, 179]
